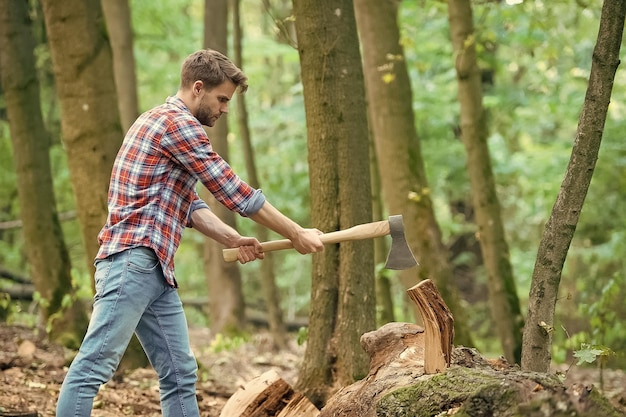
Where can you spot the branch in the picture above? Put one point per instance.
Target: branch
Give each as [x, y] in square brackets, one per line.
[17, 224]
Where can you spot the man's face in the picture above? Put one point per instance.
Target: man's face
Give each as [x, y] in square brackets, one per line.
[214, 103]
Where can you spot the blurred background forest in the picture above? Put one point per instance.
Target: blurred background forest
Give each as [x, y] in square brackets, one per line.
[535, 57]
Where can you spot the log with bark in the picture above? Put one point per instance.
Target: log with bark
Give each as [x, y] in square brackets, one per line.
[268, 395]
[463, 382]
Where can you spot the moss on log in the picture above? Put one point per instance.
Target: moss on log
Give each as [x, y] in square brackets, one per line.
[472, 386]
[488, 392]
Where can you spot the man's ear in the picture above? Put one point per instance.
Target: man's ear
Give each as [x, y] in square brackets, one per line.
[197, 87]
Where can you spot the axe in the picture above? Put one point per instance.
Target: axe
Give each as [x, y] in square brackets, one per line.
[399, 257]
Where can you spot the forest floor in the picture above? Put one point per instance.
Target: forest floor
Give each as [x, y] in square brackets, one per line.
[32, 370]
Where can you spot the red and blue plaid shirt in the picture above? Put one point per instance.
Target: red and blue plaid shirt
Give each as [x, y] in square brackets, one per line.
[152, 189]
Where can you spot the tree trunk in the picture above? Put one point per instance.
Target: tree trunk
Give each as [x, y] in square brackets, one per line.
[118, 20]
[226, 302]
[91, 131]
[226, 306]
[561, 225]
[92, 134]
[384, 297]
[47, 254]
[268, 281]
[342, 294]
[505, 308]
[403, 177]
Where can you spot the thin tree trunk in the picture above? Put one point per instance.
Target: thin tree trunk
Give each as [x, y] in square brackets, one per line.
[268, 283]
[384, 296]
[505, 308]
[399, 154]
[47, 254]
[226, 301]
[92, 134]
[561, 225]
[118, 19]
[342, 295]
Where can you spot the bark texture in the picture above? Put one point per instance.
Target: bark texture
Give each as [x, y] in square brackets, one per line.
[342, 295]
[403, 178]
[271, 292]
[226, 301]
[561, 225]
[118, 20]
[47, 254]
[384, 297]
[90, 121]
[503, 301]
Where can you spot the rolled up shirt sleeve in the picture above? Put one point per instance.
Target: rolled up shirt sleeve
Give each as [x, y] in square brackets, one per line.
[255, 203]
[197, 204]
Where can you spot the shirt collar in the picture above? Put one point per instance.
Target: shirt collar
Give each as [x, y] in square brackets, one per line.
[177, 102]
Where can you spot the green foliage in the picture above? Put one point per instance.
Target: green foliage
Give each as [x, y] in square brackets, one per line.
[223, 343]
[8, 189]
[539, 58]
[164, 34]
[600, 312]
[6, 306]
[303, 335]
[590, 353]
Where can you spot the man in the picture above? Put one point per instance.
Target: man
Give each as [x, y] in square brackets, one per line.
[151, 200]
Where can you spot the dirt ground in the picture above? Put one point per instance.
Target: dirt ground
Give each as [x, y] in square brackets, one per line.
[32, 370]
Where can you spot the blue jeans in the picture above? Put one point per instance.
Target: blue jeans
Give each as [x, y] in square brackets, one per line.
[132, 296]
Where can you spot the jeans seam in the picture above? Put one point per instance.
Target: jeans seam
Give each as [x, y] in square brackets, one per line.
[108, 328]
[174, 363]
[93, 364]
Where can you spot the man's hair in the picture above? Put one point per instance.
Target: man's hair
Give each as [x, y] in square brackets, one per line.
[212, 68]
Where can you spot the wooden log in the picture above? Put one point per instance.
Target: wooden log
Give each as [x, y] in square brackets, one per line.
[438, 325]
[394, 342]
[268, 395]
[299, 405]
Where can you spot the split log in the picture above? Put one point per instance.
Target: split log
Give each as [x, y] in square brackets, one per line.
[398, 385]
[438, 323]
[268, 396]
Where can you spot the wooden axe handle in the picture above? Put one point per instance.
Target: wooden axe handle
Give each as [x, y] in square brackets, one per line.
[358, 232]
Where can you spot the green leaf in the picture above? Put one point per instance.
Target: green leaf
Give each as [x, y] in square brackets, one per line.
[589, 353]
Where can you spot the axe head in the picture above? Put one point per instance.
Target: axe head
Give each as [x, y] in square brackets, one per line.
[400, 255]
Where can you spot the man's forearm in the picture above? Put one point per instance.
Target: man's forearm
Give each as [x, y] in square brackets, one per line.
[304, 240]
[207, 223]
[273, 219]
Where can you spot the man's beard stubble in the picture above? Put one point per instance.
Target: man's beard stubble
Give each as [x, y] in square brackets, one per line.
[206, 117]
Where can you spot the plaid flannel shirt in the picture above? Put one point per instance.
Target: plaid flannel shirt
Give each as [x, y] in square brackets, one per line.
[152, 189]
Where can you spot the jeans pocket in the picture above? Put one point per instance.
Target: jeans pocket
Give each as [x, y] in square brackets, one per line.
[143, 261]
[103, 267]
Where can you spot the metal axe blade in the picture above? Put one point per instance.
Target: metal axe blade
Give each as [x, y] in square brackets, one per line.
[400, 255]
